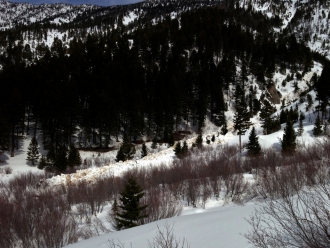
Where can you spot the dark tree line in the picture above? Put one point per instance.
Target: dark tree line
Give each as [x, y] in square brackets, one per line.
[143, 83]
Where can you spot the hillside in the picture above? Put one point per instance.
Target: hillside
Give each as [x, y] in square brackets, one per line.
[167, 92]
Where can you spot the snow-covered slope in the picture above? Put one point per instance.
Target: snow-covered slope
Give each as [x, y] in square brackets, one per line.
[12, 14]
[308, 20]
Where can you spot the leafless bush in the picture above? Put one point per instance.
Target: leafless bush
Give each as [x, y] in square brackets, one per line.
[94, 228]
[235, 186]
[293, 221]
[166, 239]
[36, 218]
[161, 204]
[8, 170]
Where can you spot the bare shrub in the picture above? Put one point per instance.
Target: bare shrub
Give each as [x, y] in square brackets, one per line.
[161, 204]
[8, 170]
[166, 239]
[293, 221]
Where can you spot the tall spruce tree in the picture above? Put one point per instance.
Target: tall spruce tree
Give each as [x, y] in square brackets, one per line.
[126, 151]
[131, 211]
[74, 158]
[177, 149]
[144, 151]
[317, 130]
[33, 151]
[289, 138]
[253, 145]
[242, 116]
[265, 115]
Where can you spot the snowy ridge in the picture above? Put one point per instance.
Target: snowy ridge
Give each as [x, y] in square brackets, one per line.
[12, 14]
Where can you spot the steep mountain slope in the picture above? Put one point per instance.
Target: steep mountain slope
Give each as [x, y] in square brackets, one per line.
[12, 14]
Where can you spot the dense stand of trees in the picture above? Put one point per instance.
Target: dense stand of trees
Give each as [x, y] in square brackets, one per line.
[145, 82]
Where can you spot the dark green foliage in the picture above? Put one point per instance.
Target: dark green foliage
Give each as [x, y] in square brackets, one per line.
[224, 129]
[241, 117]
[61, 160]
[199, 141]
[74, 158]
[289, 138]
[253, 145]
[42, 163]
[213, 138]
[317, 130]
[144, 151]
[120, 155]
[33, 151]
[266, 119]
[177, 149]
[184, 149]
[126, 150]
[87, 85]
[300, 128]
[322, 87]
[130, 209]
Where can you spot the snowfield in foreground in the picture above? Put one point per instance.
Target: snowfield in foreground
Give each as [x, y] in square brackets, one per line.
[221, 226]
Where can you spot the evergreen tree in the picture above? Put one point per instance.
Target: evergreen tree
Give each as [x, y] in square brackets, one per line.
[241, 117]
[126, 151]
[42, 163]
[289, 138]
[265, 115]
[224, 128]
[144, 151]
[199, 141]
[213, 138]
[120, 155]
[61, 160]
[131, 210]
[177, 149]
[301, 127]
[184, 149]
[317, 130]
[74, 158]
[253, 145]
[33, 151]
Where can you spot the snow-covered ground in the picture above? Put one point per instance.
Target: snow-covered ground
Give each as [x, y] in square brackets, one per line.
[217, 226]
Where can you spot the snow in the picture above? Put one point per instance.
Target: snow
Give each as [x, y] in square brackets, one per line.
[215, 227]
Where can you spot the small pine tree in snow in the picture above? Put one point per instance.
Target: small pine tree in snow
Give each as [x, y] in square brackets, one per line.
[177, 149]
[144, 151]
[74, 158]
[199, 141]
[253, 145]
[317, 131]
[184, 149]
[33, 151]
[289, 138]
[130, 209]
[213, 138]
[224, 129]
[300, 130]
